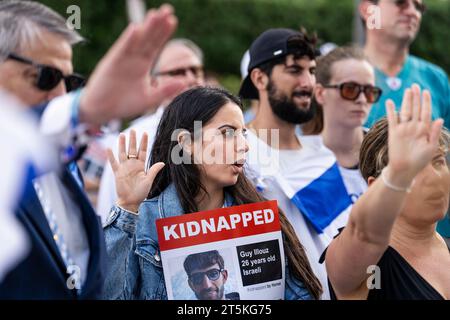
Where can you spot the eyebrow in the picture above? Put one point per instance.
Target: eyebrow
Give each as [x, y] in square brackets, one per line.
[294, 66]
[227, 126]
[299, 66]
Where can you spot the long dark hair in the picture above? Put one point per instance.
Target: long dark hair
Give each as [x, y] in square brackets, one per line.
[202, 104]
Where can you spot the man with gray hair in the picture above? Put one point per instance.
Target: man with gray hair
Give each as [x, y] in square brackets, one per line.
[35, 52]
[180, 59]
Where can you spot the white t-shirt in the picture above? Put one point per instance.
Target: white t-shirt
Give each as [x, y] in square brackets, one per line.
[278, 174]
[107, 195]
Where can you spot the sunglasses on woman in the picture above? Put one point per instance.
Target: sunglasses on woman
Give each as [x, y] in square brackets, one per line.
[212, 274]
[352, 90]
[49, 77]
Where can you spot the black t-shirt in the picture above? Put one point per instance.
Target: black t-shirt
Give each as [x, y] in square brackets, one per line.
[398, 281]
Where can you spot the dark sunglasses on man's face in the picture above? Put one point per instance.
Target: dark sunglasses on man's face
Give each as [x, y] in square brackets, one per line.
[49, 77]
[352, 90]
[403, 4]
[197, 71]
[212, 274]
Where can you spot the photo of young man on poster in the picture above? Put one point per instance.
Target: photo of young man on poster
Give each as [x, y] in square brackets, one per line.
[207, 276]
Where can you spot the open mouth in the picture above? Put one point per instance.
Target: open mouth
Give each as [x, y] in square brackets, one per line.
[304, 97]
[239, 165]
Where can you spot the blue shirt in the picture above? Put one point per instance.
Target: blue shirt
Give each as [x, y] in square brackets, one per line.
[443, 226]
[426, 75]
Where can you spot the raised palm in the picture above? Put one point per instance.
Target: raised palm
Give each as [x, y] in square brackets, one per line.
[413, 137]
[120, 84]
[133, 182]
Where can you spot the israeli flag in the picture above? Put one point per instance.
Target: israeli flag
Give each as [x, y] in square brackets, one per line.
[318, 190]
[309, 177]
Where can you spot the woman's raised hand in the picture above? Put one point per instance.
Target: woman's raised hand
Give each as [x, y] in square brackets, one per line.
[132, 181]
[413, 137]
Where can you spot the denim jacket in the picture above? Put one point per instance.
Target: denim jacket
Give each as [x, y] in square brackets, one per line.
[135, 267]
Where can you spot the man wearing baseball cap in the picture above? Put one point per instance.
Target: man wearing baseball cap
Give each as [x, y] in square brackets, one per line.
[302, 176]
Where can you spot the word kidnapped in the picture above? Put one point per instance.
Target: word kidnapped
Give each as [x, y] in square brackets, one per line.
[221, 223]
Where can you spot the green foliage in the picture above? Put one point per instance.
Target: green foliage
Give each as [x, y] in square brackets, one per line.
[224, 29]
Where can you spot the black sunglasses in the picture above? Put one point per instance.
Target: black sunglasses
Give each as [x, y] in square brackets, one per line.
[419, 6]
[197, 71]
[49, 77]
[212, 274]
[352, 90]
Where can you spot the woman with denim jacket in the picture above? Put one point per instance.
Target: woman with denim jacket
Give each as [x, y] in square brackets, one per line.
[203, 171]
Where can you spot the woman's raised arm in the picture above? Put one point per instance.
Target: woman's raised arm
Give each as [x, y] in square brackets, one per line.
[412, 143]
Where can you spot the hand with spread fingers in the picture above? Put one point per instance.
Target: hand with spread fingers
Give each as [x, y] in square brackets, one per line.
[132, 181]
[413, 137]
[120, 86]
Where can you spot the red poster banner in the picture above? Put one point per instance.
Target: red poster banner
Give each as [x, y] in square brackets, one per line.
[217, 225]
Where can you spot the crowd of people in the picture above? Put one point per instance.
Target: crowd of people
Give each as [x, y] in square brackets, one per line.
[352, 144]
